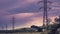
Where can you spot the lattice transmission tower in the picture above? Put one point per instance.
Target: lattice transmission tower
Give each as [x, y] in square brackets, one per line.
[13, 23]
[45, 12]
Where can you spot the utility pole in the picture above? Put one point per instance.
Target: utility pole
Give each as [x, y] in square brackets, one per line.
[45, 13]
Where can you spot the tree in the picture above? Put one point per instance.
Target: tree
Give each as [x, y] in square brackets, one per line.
[36, 27]
[57, 20]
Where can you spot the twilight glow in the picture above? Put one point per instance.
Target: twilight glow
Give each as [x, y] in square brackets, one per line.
[26, 12]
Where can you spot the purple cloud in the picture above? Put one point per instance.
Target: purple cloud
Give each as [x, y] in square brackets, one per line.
[17, 8]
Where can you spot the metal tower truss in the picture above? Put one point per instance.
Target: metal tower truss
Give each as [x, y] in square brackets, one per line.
[45, 12]
[13, 22]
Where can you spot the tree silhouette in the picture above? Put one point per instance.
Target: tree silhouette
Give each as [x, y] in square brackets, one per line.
[36, 27]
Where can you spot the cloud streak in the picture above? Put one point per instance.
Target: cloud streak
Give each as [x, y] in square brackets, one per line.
[26, 12]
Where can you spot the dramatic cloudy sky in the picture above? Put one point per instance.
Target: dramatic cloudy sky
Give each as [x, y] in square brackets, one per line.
[26, 12]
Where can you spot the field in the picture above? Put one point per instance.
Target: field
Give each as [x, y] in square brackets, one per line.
[25, 33]
[29, 33]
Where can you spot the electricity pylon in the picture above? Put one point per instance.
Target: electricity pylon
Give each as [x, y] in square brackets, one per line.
[13, 22]
[2, 27]
[6, 27]
[45, 13]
